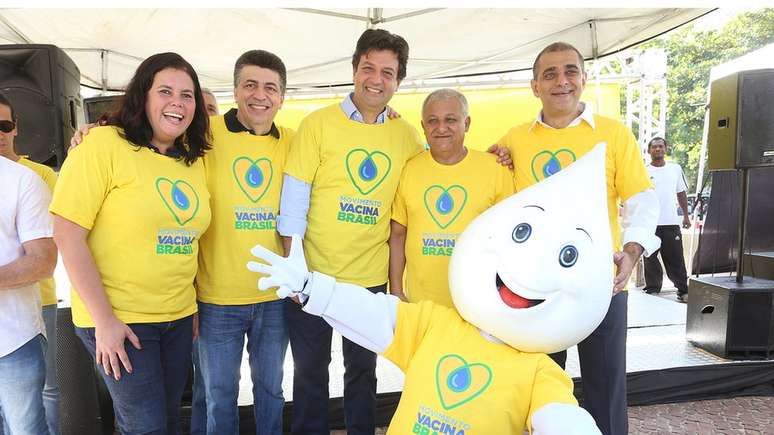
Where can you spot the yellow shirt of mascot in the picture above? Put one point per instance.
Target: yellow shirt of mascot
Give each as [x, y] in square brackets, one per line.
[244, 177]
[48, 285]
[354, 170]
[435, 203]
[145, 212]
[539, 151]
[459, 382]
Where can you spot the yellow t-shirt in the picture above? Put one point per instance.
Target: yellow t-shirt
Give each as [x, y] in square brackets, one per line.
[145, 212]
[354, 170]
[539, 151]
[435, 203]
[244, 177]
[456, 379]
[48, 285]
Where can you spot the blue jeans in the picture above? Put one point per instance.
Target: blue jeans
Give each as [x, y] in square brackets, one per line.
[198, 401]
[22, 375]
[51, 389]
[147, 401]
[222, 330]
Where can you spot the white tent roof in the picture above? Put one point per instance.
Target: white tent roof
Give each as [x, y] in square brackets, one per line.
[758, 59]
[317, 45]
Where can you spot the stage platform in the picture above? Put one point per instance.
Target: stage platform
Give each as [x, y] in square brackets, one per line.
[662, 366]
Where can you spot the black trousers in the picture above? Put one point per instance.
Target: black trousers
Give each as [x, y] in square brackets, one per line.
[671, 252]
[602, 357]
[310, 343]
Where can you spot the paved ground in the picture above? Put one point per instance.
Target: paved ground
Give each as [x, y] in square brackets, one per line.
[738, 416]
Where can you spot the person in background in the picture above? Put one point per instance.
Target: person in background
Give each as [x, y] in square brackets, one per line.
[669, 180]
[439, 193]
[27, 256]
[47, 286]
[129, 208]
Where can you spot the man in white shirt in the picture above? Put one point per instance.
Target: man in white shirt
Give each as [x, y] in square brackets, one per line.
[670, 185]
[27, 255]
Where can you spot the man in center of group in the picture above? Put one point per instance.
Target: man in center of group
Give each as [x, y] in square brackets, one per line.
[439, 193]
[244, 177]
[344, 165]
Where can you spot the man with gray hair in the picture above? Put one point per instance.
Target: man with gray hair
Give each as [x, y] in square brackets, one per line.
[439, 193]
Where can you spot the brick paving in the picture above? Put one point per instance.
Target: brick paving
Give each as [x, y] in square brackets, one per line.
[737, 416]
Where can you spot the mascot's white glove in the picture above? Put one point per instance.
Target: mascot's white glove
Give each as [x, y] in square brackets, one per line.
[289, 275]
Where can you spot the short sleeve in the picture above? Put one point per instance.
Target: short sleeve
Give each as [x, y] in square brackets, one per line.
[552, 385]
[631, 177]
[399, 212]
[411, 325]
[33, 220]
[304, 156]
[682, 186]
[504, 183]
[85, 179]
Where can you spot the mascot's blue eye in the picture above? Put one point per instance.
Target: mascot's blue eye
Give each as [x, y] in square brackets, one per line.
[568, 256]
[521, 233]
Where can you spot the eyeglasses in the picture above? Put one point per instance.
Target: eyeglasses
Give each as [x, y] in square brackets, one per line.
[7, 126]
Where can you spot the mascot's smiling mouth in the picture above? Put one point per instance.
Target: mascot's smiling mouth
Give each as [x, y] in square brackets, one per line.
[513, 300]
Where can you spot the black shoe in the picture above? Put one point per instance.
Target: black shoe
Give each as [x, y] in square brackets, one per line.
[682, 297]
[652, 291]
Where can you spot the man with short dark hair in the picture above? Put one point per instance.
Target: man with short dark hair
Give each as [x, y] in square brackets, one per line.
[47, 285]
[342, 172]
[668, 178]
[566, 129]
[243, 170]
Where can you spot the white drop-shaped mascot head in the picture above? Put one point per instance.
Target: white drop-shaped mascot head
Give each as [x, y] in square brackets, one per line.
[536, 270]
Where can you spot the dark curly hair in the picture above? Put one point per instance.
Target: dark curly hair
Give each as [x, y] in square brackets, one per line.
[131, 116]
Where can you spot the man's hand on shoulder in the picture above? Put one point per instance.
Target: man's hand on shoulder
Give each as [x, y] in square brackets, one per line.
[503, 155]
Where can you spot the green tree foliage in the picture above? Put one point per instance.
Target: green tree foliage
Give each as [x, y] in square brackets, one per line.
[691, 55]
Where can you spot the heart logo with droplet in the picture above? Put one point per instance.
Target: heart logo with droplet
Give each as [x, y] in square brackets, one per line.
[547, 163]
[180, 198]
[253, 176]
[366, 169]
[459, 382]
[444, 204]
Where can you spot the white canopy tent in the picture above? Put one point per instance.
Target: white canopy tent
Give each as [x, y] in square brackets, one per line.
[317, 45]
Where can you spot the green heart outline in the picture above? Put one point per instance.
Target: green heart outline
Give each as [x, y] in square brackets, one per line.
[445, 190]
[552, 154]
[464, 364]
[252, 163]
[166, 204]
[367, 155]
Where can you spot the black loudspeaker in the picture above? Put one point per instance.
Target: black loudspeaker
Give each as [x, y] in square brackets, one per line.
[95, 107]
[729, 319]
[43, 84]
[759, 264]
[741, 124]
[84, 404]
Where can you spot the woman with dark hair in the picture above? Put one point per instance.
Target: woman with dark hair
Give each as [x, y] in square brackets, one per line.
[129, 208]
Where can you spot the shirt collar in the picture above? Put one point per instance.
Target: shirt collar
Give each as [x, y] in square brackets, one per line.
[586, 115]
[235, 126]
[349, 108]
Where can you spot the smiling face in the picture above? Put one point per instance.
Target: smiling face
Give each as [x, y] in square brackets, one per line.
[559, 82]
[170, 106]
[259, 97]
[7, 138]
[536, 270]
[376, 80]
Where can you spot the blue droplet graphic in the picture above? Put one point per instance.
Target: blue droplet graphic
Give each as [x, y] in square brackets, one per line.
[367, 169]
[445, 203]
[254, 176]
[459, 379]
[552, 167]
[181, 201]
